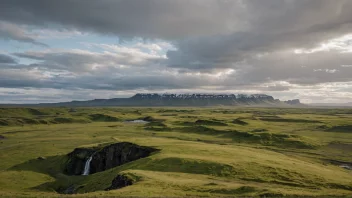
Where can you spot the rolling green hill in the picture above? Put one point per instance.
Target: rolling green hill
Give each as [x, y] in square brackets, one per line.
[230, 152]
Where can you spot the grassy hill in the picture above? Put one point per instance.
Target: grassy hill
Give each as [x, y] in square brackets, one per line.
[236, 152]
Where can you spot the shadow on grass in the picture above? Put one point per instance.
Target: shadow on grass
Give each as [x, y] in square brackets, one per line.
[341, 128]
[278, 119]
[201, 122]
[264, 138]
[52, 165]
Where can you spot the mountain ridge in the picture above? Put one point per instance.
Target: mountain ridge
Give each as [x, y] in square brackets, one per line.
[166, 99]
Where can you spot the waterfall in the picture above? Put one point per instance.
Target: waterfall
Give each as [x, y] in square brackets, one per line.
[87, 166]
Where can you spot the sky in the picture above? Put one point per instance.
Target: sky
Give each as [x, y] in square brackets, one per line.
[54, 51]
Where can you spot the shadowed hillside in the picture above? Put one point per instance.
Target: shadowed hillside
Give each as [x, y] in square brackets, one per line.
[236, 152]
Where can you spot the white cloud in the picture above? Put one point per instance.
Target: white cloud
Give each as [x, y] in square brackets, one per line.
[55, 33]
[341, 44]
[286, 48]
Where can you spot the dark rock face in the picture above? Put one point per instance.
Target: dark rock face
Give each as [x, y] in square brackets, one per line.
[116, 155]
[2, 137]
[120, 181]
[105, 158]
[77, 160]
[72, 189]
[69, 190]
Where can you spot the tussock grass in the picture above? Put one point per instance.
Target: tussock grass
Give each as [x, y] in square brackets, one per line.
[103, 118]
[293, 157]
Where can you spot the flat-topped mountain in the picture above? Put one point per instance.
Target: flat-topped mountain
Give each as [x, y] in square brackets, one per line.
[154, 99]
[201, 96]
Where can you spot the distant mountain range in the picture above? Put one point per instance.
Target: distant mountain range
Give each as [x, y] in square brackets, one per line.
[348, 104]
[154, 99]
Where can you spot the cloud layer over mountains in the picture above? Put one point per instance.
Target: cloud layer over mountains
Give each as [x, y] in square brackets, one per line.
[281, 47]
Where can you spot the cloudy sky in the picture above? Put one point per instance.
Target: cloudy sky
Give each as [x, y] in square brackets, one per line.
[64, 50]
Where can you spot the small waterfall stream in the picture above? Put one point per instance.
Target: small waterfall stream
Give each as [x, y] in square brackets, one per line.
[87, 166]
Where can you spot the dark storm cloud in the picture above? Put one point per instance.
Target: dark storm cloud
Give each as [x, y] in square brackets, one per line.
[10, 31]
[167, 19]
[92, 70]
[86, 61]
[99, 80]
[179, 19]
[6, 59]
[88, 70]
[207, 34]
[273, 26]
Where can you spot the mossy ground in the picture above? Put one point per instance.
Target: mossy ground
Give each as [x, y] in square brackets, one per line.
[285, 155]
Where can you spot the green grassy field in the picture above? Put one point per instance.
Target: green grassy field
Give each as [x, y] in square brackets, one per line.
[254, 152]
